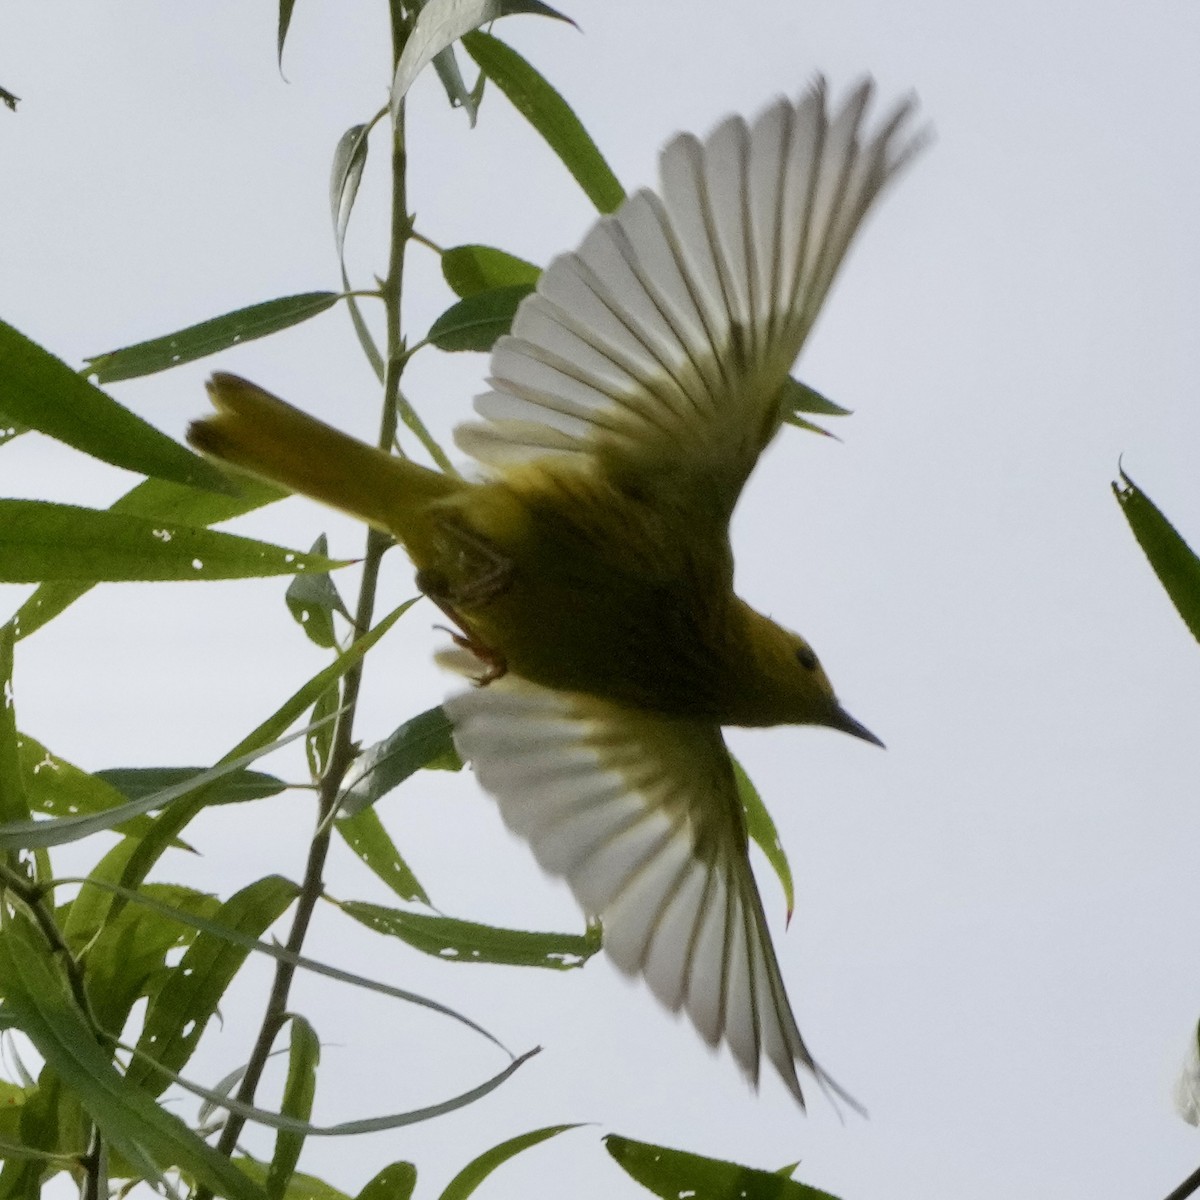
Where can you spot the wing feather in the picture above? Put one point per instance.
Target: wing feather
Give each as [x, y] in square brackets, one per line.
[639, 814]
[667, 338]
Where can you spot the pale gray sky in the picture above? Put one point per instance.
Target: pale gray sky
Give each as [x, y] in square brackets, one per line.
[997, 920]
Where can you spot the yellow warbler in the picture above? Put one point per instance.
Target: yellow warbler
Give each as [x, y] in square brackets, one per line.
[590, 571]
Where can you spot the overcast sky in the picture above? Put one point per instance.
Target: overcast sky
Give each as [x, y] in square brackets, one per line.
[998, 920]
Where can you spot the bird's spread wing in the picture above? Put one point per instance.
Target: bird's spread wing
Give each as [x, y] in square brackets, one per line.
[658, 351]
[640, 815]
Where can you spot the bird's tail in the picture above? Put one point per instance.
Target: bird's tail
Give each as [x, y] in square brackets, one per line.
[264, 436]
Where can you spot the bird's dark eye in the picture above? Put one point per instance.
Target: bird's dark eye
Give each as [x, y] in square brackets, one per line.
[806, 658]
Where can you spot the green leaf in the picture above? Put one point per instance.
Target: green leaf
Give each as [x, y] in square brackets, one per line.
[762, 830]
[1187, 1087]
[422, 741]
[147, 1136]
[365, 835]
[465, 941]
[161, 500]
[471, 269]
[671, 1174]
[476, 322]
[14, 804]
[299, 1091]
[1173, 561]
[440, 23]
[9, 100]
[43, 393]
[285, 20]
[457, 92]
[57, 788]
[234, 788]
[208, 337]
[10, 429]
[44, 541]
[550, 115]
[300, 1187]
[478, 1169]
[395, 1182]
[319, 742]
[195, 987]
[312, 599]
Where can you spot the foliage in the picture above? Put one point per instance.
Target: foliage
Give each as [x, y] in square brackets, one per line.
[114, 981]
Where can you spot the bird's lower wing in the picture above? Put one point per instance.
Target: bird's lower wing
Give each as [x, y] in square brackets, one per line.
[639, 814]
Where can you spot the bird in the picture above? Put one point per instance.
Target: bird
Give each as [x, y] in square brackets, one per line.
[587, 567]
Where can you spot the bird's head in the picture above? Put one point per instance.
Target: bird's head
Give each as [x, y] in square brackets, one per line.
[782, 682]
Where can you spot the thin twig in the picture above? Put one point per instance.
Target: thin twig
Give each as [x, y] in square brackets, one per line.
[1189, 1187]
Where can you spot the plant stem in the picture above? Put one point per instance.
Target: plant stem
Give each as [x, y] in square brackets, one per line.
[343, 750]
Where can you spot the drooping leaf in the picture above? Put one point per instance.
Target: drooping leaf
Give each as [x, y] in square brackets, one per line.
[477, 1170]
[319, 742]
[762, 831]
[209, 337]
[1187, 1086]
[299, 1090]
[180, 1011]
[365, 835]
[472, 269]
[285, 20]
[460, 96]
[1173, 561]
[671, 1174]
[476, 322]
[313, 598]
[453, 940]
[43, 393]
[44, 541]
[422, 741]
[395, 1182]
[440, 23]
[542, 106]
[148, 1136]
[162, 501]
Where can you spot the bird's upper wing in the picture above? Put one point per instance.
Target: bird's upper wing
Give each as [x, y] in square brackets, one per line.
[658, 351]
[639, 813]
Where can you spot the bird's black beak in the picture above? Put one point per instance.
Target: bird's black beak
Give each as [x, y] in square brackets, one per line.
[847, 724]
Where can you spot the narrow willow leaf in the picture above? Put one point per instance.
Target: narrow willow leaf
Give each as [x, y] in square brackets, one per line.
[550, 115]
[349, 161]
[457, 92]
[181, 1009]
[272, 1120]
[466, 941]
[87, 913]
[1173, 561]
[422, 741]
[365, 835]
[472, 269]
[44, 541]
[57, 788]
[43, 393]
[476, 322]
[799, 397]
[14, 804]
[279, 954]
[172, 822]
[234, 788]
[300, 1187]
[209, 337]
[670, 1174]
[396, 1181]
[1187, 1087]
[319, 742]
[163, 501]
[299, 1090]
[478, 1169]
[313, 598]
[21, 835]
[10, 429]
[440, 23]
[762, 830]
[146, 1135]
[9, 100]
[285, 20]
